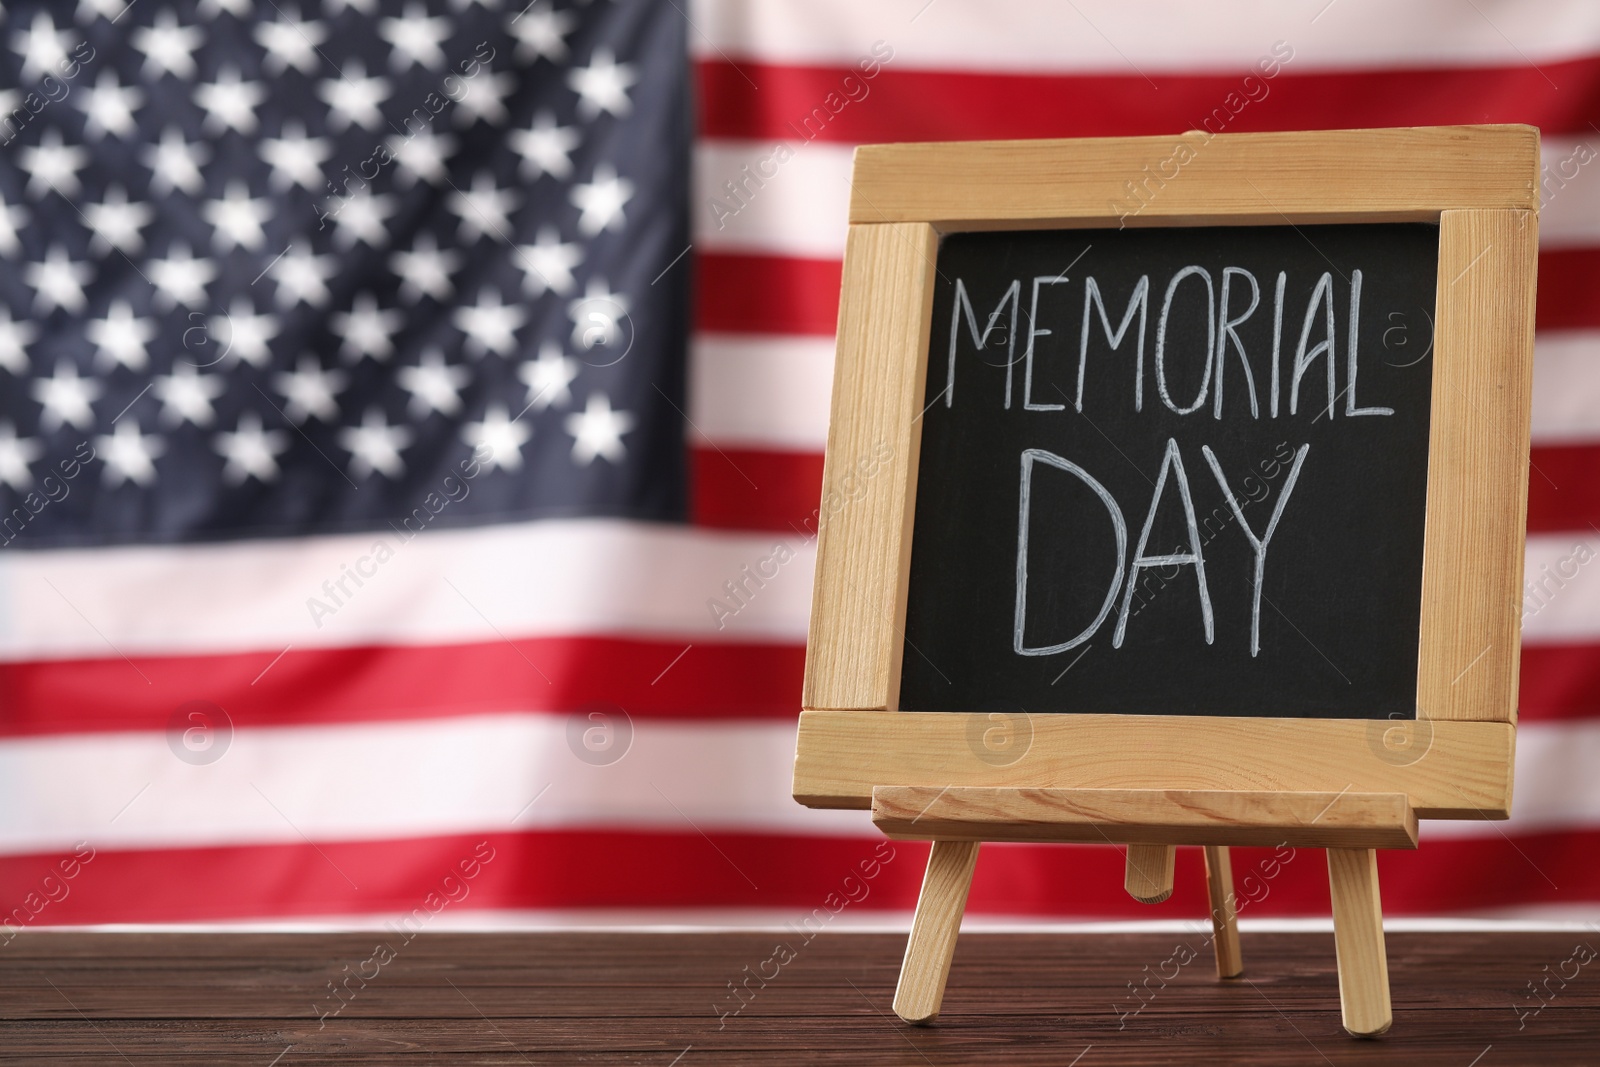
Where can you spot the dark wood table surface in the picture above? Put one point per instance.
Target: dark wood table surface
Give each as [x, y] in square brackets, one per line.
[1460, 998]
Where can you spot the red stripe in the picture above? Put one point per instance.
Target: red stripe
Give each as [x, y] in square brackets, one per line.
[1564, 488]
[620, 869]
[754, 101]
[321, 686]
[1569, 289]
[1559, 682]
[748, 490]
[766, 294]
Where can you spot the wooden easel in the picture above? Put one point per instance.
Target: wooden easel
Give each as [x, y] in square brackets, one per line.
[1152, 822]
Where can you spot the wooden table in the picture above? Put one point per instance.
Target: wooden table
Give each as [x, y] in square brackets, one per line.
[650, 998]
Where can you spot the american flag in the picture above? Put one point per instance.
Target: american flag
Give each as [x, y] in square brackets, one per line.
[375, 485]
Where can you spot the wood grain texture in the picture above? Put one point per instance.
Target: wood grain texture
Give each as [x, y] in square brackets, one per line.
[1152, 818]
[1478, 466]
[1224, 911]
[864, 547]
[1148, 878]
[1358, 938]
[932, 943]
[1197, 178]
[1450, 770]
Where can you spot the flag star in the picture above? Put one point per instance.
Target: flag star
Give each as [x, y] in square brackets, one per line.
[367, 330]
[415, 39]
[337, 7]
[597, 315]
[180, 278]
[57, 282]
[433, 385]
[545, 148]
[42, 47]
[243, 334]
[375, 446]
[67, 399]
[176, 163]
[12, 218]
[53, 165]
[302, 276]
[502, 437]
[490, 327]
[290, 43]
[601, 201]
[15, 337]
[485, 210]
[250, 451]
[237, 219]
[354, 98]
[421, 155]
[15, 455]
[187, 396]
[168, 47]
[229, 102]
[296, 159]
[485, 99]
[541, 31]
[547, 263]
[210, 9]
[548, 378]
[602, 85]
[359, 218]
[109, 106]
[425, 270]
[597, 431]
[89, 10]
[309, 390]
[116, 223]
[120, 338]
[129, 455]
[487, 5]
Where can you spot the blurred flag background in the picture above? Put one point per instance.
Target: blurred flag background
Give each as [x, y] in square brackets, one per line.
[397, 397]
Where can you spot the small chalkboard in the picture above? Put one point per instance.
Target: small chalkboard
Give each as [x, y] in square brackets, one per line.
[1178, 471]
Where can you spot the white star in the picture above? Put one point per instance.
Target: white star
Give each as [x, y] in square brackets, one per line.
[12, 218]
[229, 103]
[433, 385]
[548, 378]
[120, 338]
[110, 107]
[210, 9]
[296, 159]
[483, 211]
[490, 327]
[502, 436]
[250, 451]
[180, 278]
[354, 98]
[42, 47]
[367, 330]
[15, 455]
[309, 390]
[541, 31]
[421, 155]
[15, 337]
[53, 165]
[129, 455]
[415, 39]
[186, 396]
[337, 7]
[597, 315]
[237, 219]
[116, 223]
[487, 5]
[602, 85]
[243, 334]
[89, 10]
[485, 99]
[597, 431]
[176, 163]
[547, 263]
[425, 270]
[545, 148]
[601, 201]
[290, 43]
[168, 48]
[375, 446]
[303, 276]
[360, 218]
[66, 399]
[57, 282]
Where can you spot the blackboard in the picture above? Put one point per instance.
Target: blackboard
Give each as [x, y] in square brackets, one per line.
[1291, 363]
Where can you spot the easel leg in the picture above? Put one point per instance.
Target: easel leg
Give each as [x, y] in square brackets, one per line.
[1224, 920]
[934, 930]
[1358, 940]
[1148, 877]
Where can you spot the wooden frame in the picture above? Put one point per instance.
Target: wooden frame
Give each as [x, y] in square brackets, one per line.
[856, 749]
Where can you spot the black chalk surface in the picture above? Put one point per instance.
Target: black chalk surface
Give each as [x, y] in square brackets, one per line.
[1174, 471]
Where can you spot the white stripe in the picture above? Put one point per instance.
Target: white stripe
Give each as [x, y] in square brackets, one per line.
[1569, 191]
[548, 578]
[479, 774]
[761, 392]
[1561, 587]
[1114, 37]
[1566, 388]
